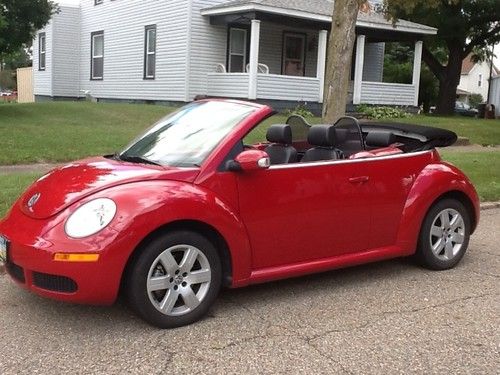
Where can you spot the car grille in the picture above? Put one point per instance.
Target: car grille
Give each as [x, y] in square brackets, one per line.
[54, 283]
[16, 272]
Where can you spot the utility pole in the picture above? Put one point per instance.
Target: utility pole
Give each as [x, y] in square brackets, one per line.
[491, 74]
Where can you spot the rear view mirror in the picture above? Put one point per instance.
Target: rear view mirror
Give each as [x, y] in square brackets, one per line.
[250, 160]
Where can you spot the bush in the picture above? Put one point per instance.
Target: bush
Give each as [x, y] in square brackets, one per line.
[475, 100]
[382, 112]
[300, 110]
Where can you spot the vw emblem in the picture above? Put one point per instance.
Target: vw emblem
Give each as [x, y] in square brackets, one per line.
[33, 201]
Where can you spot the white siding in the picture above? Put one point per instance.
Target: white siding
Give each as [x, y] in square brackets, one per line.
[66, 52]
[123, 24]
[271, 86]
[229, 85]
[373, 67]
[207, 48]
[387, 93]
[470, 82]
[42, 79]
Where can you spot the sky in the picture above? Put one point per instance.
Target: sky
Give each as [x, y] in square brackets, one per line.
[497, 48]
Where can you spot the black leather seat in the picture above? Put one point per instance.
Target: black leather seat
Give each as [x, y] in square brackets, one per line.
[324, 140]
[379, 138]
[280, 150]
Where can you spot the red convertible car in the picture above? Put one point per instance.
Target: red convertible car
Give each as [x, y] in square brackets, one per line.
[195, 203]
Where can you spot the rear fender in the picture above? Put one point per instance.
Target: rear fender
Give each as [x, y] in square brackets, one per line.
[433, 182]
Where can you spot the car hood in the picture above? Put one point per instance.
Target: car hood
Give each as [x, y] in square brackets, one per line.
[72, 182]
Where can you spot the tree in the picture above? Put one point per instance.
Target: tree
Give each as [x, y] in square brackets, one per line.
[20, 20]
[340, 46]
[463, 26]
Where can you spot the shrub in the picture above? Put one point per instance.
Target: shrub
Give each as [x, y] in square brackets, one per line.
[475, 100]
[382, 112]
[300, 110]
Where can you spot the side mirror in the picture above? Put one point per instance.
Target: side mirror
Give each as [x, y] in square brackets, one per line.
[250, 160]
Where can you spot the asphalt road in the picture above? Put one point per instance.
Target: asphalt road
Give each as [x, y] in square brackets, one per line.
[384, 318]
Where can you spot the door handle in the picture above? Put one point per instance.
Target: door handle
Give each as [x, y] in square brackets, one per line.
[359, 180]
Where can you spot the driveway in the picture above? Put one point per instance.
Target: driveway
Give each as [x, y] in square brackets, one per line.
[384, 318]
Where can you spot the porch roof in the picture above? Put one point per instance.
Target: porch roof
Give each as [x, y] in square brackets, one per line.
[314, 10]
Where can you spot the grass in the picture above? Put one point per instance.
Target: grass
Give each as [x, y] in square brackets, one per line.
[483, 169]
[11, 186]
[63, 131]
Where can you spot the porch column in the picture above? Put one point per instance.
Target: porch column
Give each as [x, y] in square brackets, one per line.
[254, 59]
[417, 63]
[321, 67]
[358, 70]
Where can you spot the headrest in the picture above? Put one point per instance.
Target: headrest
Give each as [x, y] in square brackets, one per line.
[379, 138]
[280, 133]
[321, 135]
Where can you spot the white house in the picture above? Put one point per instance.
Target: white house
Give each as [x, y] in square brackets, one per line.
[474, 79]
[174, 50]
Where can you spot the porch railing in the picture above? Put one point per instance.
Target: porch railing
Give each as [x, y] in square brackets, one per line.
[388, 93]
[273, 86]
[229, 85]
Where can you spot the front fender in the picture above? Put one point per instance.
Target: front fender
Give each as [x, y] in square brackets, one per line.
[433, 181]
[145, 207]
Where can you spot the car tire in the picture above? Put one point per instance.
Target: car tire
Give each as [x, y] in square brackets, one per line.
[444, 235]
[175, 279]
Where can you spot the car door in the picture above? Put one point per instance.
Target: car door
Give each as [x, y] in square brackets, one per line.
[390, 181]
[305, 211]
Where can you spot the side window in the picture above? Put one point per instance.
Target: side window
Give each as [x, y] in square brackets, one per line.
[150, 52]
[97, 56]
[480, 80]
[42, 51]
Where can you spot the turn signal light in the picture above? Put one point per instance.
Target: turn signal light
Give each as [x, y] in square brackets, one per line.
[60, 257]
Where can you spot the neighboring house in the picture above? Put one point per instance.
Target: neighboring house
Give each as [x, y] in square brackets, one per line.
[174, 50]
[474, 79]
[495, 94]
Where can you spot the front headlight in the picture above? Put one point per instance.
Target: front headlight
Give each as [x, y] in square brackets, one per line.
[90, 218]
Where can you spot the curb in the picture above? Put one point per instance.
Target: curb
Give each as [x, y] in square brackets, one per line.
[489, 205]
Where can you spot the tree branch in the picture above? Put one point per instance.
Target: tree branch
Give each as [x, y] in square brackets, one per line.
[480, 38]
[434, 65]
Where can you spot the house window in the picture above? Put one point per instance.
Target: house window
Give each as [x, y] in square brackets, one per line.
[150, 52]
[97, 58]
[237, 56]
[480, 80]
[294, 54]
[97, 2]
[42, 51]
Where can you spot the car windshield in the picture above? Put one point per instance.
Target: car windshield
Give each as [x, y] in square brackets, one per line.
[186, 137]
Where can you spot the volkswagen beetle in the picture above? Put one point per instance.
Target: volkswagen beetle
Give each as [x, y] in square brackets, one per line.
[199, 202]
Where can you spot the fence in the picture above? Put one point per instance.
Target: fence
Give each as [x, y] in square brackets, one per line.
[25, 85]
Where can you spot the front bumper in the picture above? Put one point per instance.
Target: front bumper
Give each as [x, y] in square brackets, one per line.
[32, 246]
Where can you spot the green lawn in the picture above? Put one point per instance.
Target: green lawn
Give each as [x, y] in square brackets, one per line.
[62, 131]
[483, 168]
[11, 186]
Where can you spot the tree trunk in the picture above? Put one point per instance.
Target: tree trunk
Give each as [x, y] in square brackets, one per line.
[449, 81]
[338, 63]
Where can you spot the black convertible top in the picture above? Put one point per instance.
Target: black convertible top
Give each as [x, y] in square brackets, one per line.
[412, 137]
[436, 137]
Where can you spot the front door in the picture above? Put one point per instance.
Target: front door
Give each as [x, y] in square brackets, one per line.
[301, 212]
[294, 53]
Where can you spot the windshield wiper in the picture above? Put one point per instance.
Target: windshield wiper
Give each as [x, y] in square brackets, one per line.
[137, 159]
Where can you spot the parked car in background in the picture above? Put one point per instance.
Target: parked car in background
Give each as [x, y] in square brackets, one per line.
[195, 203]
[464, 109]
